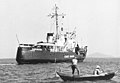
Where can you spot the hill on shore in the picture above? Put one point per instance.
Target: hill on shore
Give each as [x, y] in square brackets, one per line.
[99, 55]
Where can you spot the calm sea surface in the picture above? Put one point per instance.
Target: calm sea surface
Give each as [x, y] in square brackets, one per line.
[10, 72]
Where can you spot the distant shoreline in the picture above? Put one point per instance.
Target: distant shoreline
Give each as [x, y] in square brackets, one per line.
[103, 57]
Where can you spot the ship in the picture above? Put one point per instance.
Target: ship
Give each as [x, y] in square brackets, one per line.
[60, 46]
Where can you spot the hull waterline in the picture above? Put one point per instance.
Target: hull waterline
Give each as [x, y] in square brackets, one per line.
[34, 57]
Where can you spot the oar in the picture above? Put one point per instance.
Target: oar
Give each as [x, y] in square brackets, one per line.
[116, 72]
[56, 75]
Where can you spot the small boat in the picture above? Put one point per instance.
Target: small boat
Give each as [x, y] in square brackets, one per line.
[66, 77]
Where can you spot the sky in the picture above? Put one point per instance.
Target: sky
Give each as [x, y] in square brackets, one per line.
[97, 23]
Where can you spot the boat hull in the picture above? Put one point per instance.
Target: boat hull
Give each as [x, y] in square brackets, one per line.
[26, 55]
[66, 77]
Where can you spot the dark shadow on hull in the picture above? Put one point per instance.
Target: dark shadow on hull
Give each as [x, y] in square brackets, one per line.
[19, 53]
[44, 61]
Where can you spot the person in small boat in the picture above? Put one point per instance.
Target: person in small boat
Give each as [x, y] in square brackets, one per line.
[74, 65]
[98, 70]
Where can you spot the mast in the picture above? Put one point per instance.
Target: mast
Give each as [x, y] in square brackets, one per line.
[56, 17]
[55, 14]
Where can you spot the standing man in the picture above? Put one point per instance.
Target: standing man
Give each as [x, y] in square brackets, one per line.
[74, 65]
[77, 49]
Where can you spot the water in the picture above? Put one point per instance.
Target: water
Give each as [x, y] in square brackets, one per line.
[10, 72]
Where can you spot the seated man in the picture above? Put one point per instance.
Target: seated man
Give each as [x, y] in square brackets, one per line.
[98, 70]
